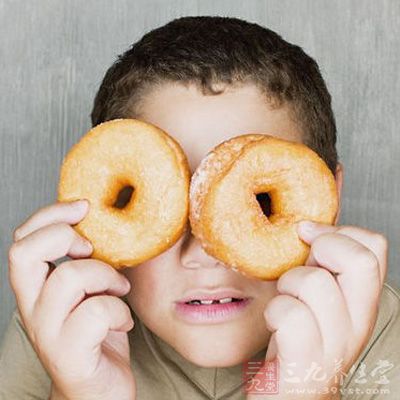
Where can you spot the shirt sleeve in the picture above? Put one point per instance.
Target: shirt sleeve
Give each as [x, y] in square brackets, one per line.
[22, 375]
[376, 374]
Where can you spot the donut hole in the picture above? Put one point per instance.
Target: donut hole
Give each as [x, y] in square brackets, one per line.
[124, 197]
[264, 200]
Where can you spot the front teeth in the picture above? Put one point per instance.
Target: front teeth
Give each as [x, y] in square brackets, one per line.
[208, 302]
[225, 300]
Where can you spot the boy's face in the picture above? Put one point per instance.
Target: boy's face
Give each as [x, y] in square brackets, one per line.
[199, 123]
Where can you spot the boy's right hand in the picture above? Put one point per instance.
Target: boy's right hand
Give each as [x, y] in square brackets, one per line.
[76, 322]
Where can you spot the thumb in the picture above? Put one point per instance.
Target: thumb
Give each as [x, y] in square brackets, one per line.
[309, 230]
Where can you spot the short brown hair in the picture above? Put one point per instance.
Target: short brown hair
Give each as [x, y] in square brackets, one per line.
[207, 50]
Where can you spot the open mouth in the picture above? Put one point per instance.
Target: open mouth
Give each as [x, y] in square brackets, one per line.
[211, 310]
[209, 302]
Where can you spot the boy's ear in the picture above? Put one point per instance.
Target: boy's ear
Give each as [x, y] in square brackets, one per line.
[339, 183]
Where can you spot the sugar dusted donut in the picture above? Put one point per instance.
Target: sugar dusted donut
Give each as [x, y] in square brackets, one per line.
[227, 218]
[136, 160]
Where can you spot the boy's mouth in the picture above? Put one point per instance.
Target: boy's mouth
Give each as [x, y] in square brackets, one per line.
[224, 300]
[204, 306]
[204, 296]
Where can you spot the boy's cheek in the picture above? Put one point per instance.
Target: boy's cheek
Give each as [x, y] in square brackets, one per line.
[150, 276]
[144, 287]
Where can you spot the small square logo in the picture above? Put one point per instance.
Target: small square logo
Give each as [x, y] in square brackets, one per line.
[261, 377]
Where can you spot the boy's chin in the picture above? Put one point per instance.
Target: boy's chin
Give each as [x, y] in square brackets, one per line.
[221, 349]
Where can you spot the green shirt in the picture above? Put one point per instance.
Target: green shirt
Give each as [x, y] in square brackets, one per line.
[162, 373]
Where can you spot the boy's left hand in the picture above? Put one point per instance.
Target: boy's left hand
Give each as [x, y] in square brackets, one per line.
[325, 311]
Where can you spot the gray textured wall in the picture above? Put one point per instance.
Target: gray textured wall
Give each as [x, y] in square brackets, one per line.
[53, 55]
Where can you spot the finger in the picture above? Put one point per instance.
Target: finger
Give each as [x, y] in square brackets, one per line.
[119, 341]
[374, 241]
[357, 275]
[309, 231]
[68, 285]
[89, 324]
[296, 334]
[66, 212]
[318, 289]
[28, 268]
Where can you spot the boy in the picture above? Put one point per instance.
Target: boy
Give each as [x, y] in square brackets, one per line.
[204, 80]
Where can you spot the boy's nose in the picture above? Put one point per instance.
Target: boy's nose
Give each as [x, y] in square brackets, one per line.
[194, 256]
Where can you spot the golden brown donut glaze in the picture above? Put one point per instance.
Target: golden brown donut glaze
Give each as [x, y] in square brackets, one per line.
[128, 153]
[227, 219]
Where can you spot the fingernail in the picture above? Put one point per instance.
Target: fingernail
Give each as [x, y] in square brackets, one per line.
[306, 227]
[127, 284]
[81, 205]
[88, 246]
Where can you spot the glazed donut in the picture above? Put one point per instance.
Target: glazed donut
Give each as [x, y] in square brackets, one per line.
[128, 158]
[227, 219]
